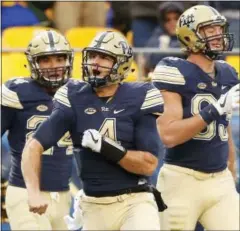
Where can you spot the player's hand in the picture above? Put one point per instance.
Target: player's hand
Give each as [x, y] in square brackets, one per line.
[92, 139]
[37, 204]
[76, 221]
[228, 101]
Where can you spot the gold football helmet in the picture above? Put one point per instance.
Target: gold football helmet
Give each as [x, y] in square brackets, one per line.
[196, 18]
[112, 44]
[46, 43]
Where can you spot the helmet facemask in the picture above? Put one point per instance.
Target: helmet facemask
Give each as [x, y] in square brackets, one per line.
[91, 72]
[46, 44]
[51, 77]
[227, 39]
[191, 32]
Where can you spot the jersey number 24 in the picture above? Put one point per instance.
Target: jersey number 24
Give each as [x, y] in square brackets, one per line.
[32, 124]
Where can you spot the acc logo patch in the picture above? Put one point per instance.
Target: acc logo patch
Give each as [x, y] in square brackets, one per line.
[90, 110]
[202, 85]
[42, 107]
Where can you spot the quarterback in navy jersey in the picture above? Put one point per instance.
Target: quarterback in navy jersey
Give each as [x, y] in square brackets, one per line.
[199, 94]
[113, 129]
[27, 102]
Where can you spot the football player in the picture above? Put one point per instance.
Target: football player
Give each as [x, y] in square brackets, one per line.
[113, 128]
[199, 94]
[26, 102]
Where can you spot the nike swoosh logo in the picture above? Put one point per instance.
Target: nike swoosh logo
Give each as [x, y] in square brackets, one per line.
[223, 87]
[95, 141]
[118, 111]
[224, 102]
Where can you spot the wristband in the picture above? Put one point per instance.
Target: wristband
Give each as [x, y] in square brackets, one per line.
[112, 150]
[209, 114]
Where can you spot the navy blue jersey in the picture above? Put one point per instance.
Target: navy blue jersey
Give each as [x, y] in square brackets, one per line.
[208, 150]
[24, 106]
[126, 118]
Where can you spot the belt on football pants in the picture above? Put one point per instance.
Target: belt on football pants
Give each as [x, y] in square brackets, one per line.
[140, 188]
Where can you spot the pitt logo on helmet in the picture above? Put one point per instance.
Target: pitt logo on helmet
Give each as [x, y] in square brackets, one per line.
[189, 19]
[191, 31]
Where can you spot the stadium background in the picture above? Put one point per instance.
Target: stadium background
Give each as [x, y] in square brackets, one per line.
[80, 22]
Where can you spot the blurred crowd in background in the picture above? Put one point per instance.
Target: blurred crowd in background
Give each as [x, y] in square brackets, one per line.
[145, 23]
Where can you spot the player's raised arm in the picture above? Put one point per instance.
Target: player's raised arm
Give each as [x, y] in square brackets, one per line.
[46, 136]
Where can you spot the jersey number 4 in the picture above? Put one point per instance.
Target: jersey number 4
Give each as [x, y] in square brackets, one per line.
[108, 128]
[211, 129]
[65, 141]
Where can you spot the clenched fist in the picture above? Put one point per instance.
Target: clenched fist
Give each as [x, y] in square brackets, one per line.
[92, 139]
[37, 204]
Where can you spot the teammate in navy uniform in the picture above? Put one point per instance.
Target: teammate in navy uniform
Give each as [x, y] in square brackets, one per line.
[27, 102]
[199, 94]
[113, 128]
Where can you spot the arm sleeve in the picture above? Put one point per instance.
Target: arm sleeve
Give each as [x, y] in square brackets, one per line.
[7, 116]
[146, 135]
[60, 121]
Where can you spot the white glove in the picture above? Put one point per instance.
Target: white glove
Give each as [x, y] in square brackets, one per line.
[75, 222]
[228, 101]
[92, 139]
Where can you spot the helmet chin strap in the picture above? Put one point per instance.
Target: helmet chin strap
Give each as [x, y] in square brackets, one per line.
[96, 82]
[211, 54]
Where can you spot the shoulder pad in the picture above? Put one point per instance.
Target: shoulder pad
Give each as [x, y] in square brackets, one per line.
[229, 71]
[62, 96]
[135, 85]
[10, 92]
[226, 65]
[75, 84]
[63, 93]
[167, 72]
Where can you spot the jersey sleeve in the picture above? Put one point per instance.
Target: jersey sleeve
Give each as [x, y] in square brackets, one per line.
[60, 121]
[234, 75]
[10, 96]
[167, 76]
[10, 104]
[146, 135]
[152, 102]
